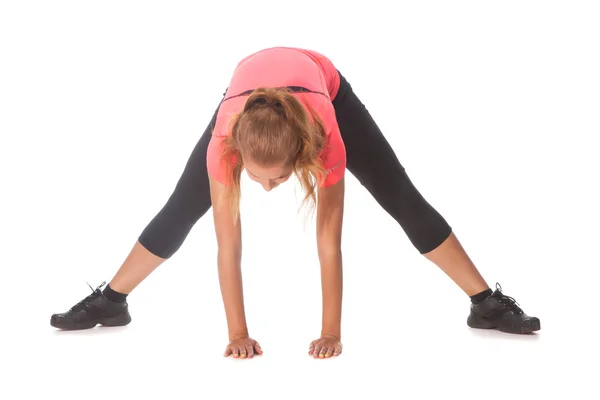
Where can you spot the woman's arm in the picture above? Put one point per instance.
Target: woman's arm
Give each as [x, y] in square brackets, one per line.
[330, 211]
[229, 241]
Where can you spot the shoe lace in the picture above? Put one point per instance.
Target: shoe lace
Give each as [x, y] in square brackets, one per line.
[509, 302]
[95, 293]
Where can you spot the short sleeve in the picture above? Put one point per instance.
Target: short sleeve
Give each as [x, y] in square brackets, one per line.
[215, 164]
[334, 156]
[214, 161]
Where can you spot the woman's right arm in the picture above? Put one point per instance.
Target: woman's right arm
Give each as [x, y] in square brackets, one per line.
[229, 241]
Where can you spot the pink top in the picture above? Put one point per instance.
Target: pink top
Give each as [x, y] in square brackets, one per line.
[277, 67]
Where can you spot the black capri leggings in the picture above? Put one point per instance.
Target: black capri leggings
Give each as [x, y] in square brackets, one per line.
[370, 159]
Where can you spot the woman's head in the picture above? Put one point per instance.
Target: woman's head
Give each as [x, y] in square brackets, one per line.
[273, 137]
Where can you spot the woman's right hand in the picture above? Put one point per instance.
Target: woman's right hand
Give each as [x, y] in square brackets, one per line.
[243, 348]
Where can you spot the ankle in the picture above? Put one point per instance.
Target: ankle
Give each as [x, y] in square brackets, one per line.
[114, 295]
[481, 296]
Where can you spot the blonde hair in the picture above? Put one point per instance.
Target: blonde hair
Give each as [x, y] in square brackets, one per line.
[275, 128]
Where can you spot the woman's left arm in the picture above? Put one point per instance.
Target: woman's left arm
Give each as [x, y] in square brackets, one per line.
[330, 212]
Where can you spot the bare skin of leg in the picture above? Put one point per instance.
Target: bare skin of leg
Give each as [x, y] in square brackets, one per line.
[137, 266]
[451, 258]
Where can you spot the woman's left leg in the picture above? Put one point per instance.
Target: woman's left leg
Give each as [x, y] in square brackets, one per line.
[372, 161]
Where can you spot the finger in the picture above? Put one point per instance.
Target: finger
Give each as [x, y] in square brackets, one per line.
[236, 352]
[227, 351]
[329, 352]
[257, 348]
[242, 352]
[250, 350]
[311, 348]
[323, 351]
[317, 350]
[337, 352]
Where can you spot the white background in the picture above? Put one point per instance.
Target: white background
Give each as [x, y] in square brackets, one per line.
[492, 107]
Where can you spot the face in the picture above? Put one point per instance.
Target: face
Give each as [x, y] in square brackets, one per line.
[268, 177]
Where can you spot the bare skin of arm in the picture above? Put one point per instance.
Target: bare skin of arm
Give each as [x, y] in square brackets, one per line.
[330, 211]
[229, 241]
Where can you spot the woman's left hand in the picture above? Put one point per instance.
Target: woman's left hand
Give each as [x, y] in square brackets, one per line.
[325, 347]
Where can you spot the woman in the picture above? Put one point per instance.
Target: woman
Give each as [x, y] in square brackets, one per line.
[289, 111]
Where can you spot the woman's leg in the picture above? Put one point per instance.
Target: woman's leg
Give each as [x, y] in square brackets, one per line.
[373, 162]
[161, 238]
[167, 231]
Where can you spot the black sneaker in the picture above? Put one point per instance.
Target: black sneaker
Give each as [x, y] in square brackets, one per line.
[501, 312]
[91, 311]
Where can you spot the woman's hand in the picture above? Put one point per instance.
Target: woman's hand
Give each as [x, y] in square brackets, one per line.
[326, 346]
[242, 348]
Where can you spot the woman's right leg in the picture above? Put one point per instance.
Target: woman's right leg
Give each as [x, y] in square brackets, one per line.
[167, 231]
[161, 238]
